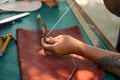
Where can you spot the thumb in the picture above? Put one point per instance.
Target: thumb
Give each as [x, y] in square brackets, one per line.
[51, 40]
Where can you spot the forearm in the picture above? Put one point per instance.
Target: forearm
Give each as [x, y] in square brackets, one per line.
[107, 59]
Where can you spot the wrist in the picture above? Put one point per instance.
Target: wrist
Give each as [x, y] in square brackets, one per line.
[80, 48]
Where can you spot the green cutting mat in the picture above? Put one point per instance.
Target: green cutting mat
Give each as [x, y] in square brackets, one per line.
[9, 61]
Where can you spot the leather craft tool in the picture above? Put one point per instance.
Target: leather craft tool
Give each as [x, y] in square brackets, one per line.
[4, 40]
[44, 28]
[12, 19]
[21, 6]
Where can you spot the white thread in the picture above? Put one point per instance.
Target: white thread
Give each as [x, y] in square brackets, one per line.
[75, 67]
[59, 20]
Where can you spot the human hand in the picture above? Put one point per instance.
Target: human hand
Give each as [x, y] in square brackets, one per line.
[61, 45]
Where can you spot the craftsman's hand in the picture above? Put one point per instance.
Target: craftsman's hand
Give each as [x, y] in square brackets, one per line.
[61, 45]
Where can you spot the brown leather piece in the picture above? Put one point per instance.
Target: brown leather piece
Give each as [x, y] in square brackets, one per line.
[21, 6]
[34, 66]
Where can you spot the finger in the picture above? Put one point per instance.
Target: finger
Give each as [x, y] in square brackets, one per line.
[46, 45]
[48, 53]
[50, 40]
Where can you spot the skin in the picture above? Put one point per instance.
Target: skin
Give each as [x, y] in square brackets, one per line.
[65, 45]
[113, 6]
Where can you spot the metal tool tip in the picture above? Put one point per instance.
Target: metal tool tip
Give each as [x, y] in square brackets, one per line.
[38, 16]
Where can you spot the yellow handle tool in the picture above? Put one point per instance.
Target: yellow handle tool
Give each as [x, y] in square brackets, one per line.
[1, 41]
[8, 38]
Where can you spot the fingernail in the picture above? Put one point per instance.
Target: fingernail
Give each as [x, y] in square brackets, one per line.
[47, 39]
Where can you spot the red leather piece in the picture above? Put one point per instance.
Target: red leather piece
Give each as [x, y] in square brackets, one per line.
[34, 66]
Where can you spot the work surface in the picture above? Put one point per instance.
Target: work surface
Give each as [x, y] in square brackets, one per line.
[104, 19]
[9, 61]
